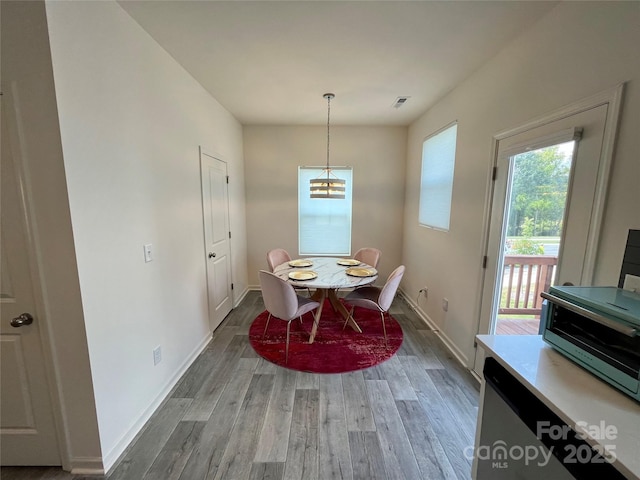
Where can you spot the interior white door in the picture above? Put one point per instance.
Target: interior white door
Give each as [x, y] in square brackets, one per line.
[215, 207]
[27, 427]
[597, 121]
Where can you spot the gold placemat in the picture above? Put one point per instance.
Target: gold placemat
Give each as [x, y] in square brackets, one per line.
[303, 275]
[361, 272]
[349, 262]
[300, 263]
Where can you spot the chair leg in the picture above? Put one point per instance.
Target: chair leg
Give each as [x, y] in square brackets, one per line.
[384, 329]
[266, 325]
[286, 348]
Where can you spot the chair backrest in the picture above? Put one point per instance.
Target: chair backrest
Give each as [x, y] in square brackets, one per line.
[390, 287]
[280, 299]
[368, 255]
[276, 257]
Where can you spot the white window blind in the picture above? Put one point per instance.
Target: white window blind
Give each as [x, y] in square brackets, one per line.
[324, 224]
[436, 186]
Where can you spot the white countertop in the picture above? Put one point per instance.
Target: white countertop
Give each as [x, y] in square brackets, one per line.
[573, 393]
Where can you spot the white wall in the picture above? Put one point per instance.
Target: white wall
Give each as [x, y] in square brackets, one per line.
[131, 122]
[272, 157]
[579, 49]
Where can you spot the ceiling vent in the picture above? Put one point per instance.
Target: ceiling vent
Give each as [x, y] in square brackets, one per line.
[400, 101]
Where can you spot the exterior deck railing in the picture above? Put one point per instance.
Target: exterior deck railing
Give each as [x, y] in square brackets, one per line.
[524, 277]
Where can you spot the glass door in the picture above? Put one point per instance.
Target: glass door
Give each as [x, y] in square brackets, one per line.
[556, 163]
[538, 185]
[543, 199]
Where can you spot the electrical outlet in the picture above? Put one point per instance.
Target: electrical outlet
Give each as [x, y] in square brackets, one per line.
[157, 355]
[148, 256]
[445, 304]
[631, 283]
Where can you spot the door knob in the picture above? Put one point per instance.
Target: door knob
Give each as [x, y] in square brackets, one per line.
[20, 320]
[212, 255]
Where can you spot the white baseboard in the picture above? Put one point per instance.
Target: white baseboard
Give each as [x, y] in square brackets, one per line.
[87, 466]
[111, 459]
[451, 346]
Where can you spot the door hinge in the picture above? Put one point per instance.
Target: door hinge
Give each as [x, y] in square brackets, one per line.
[227, 178]
[494, 175]
[229, 234]
[232, 286]
[484, 261]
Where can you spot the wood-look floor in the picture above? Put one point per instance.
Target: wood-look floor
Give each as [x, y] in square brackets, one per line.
[235, 416]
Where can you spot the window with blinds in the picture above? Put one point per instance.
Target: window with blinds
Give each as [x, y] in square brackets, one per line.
[324, 224]
[436, 185]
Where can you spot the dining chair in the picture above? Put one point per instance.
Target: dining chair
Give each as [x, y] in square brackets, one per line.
[278, 256]
[368, 255]
[375, 298]
[282, 302]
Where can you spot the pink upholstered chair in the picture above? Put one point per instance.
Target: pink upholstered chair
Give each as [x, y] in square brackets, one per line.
[282, 302]
[276, 257]
[368, 255]
[376, 298]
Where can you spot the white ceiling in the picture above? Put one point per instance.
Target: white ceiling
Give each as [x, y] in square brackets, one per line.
[270, 62]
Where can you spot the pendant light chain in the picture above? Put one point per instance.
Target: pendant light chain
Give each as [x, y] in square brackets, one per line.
[329, 186]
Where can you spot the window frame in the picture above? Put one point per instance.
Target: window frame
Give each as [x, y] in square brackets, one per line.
[320, 232]
[426, 187]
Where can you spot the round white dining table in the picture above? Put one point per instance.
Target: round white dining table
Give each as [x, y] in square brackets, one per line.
[331, 277]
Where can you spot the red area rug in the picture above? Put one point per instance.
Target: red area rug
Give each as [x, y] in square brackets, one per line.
[334, 350]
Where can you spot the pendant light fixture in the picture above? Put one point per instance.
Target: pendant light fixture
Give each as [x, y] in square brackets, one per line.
[327, 185]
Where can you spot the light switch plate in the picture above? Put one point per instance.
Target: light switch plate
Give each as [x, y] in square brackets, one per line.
[147, 253]
[157, 355]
